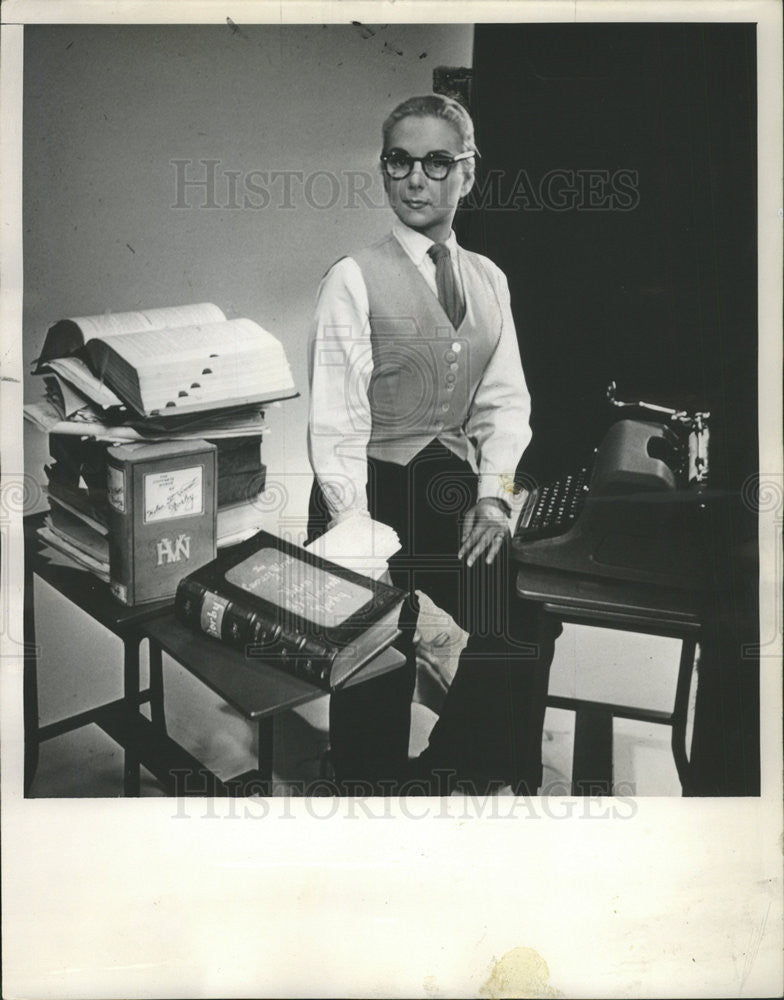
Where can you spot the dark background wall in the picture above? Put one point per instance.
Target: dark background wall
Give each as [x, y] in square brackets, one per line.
[631, 255]
[645, 273]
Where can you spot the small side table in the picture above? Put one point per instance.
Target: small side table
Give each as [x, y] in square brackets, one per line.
[94, 597]
[258, 691]
[614, 604]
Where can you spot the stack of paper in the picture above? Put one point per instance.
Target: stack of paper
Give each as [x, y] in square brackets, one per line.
[358, 543]
[87, 545]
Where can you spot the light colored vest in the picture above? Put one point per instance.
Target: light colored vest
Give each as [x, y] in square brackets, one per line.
[425, 372]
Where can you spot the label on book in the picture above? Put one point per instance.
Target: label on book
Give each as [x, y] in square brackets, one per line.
[293, 610]
[174, 493]
[311, 592]
[213, 609]
[115, 487]
[162, 522]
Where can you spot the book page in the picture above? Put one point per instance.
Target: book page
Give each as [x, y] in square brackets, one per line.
[195, 366]
[68, 335]
[75, 371]
[116, 324]
[204, 341]
[99, 567]
[43, 414]
[77, 532]
[64, 396]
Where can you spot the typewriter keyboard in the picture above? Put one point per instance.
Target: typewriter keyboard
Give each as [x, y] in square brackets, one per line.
[553, 508]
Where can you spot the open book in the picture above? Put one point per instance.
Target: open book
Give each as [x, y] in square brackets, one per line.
[172, 361]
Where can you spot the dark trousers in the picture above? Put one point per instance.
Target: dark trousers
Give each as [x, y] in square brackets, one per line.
[490, 726]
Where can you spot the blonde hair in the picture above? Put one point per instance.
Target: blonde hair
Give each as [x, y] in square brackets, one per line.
[434, 106]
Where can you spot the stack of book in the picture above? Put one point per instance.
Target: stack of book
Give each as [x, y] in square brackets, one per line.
[178, 374]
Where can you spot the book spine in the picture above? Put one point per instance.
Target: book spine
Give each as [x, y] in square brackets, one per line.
[241, 454]
[120, 524]
[241, 486]
[299, 654]
[258, 637]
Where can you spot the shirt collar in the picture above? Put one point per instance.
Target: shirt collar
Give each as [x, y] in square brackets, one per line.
[416, 244]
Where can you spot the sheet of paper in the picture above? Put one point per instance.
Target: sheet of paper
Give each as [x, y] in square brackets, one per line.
[99, 567]
[73, 370]
[358, 543]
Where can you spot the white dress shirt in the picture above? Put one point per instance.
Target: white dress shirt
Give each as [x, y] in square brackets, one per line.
[495, 433]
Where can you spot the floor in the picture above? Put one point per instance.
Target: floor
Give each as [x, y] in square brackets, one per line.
[87, 764]
[589, 663]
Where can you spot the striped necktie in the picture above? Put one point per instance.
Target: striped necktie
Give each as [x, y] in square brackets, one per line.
[448, 292]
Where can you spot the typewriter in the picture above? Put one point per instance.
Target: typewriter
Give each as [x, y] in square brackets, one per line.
[631, 513]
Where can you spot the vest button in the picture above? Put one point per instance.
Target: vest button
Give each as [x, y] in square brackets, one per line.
[450, 388]
[450, 356]
[454, 366]
[457, 347]
[439, 426]
[444, 407]
[450, 378]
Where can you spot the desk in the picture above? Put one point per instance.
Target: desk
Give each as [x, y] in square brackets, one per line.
[635, 608]
[92, 596]
[255, 689]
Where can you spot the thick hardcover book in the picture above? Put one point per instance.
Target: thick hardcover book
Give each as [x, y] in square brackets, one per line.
[284, 606]
[241, 473]
[169, 362]
[162, 512]
[240, 487]
[238, 454]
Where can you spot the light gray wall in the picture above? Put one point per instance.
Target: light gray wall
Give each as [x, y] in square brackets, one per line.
[107, 110]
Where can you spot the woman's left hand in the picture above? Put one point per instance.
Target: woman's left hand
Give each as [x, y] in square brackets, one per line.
[485, 528]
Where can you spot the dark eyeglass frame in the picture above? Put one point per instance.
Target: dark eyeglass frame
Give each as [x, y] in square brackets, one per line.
[427, 161]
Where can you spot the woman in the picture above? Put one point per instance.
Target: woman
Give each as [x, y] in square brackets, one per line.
[419, 415]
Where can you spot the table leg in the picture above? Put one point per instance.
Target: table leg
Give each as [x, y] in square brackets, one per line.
[30, 684]
[131, 777]
[266, 740]
[592, 763]
[157, 713]
[680, 712]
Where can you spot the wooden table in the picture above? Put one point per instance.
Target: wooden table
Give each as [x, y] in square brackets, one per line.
[259, 691]
[632, 607]
[94, 597]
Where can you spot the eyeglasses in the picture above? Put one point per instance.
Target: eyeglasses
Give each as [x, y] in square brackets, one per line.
[399, 164]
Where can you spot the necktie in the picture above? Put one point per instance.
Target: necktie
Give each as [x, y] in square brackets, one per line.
[448, 292]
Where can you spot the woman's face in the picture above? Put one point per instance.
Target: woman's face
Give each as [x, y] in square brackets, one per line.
[419, 202]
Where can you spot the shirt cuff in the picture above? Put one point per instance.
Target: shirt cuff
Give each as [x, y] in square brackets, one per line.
[502, 488]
